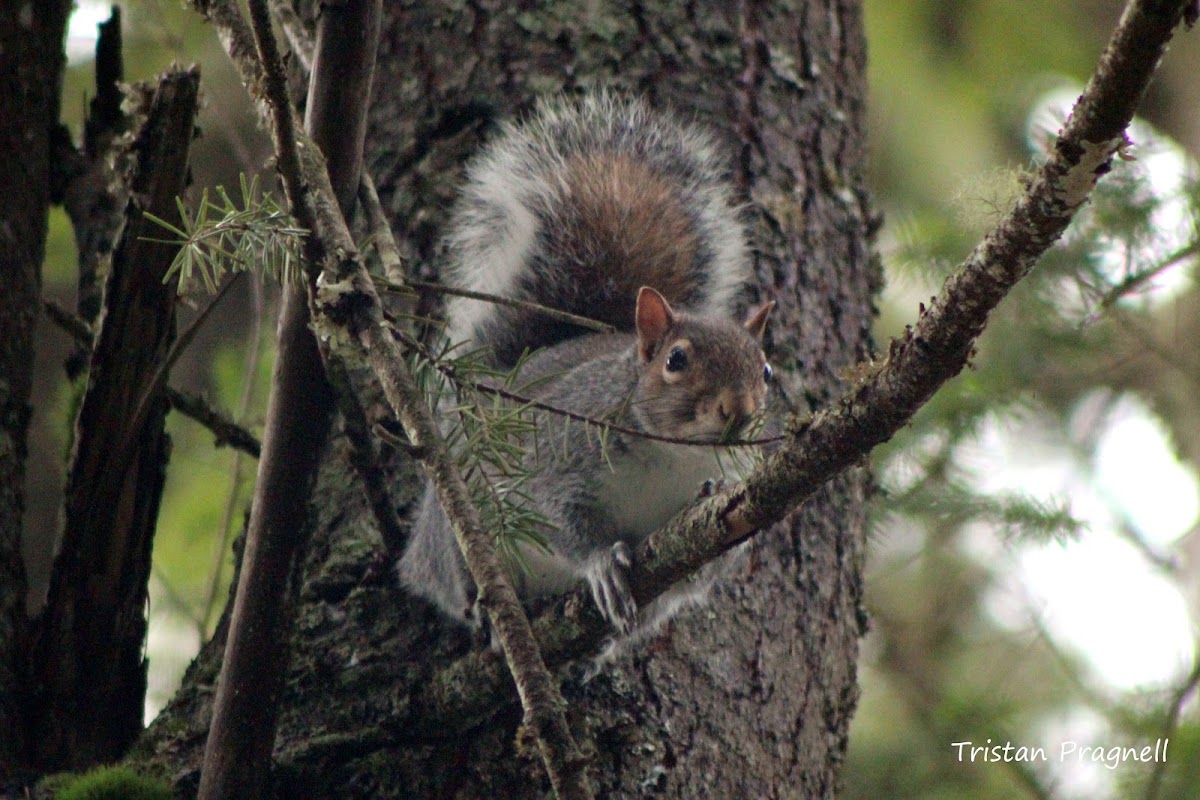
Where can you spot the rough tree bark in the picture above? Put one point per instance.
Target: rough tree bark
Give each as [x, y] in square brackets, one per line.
[751, 696]
[31, 64]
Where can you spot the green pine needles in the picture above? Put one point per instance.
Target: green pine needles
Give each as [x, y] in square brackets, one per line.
[227, 236]
[489, 435]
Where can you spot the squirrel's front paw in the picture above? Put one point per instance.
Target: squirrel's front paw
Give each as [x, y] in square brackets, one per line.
[609, 580]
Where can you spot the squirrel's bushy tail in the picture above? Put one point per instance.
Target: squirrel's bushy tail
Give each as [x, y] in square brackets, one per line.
[580, 206]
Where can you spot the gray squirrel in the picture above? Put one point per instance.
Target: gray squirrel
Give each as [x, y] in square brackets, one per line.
[602, 208]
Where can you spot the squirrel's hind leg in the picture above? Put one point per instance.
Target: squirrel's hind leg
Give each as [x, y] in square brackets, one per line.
[432, 566]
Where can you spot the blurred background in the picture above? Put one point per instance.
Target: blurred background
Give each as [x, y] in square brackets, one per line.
[1034, 563]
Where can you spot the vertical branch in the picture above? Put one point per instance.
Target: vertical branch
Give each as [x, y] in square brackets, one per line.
[351, 319]
[93, 197]
[336, 119]
[88, 666]
[237, 756]
[105, 121]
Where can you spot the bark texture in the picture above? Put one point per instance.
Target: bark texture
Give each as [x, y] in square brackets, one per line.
[751, 696]
[31, 64]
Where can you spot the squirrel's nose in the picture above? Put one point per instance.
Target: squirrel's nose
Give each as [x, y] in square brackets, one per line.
[735, 410]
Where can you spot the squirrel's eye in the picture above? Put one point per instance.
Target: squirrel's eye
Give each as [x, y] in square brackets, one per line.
[767, 373]
[677, 360]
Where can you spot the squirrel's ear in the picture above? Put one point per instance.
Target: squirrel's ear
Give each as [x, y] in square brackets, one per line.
[653, 317]
[756, 321]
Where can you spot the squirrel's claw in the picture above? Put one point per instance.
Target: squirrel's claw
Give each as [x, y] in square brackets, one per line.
[609, 580]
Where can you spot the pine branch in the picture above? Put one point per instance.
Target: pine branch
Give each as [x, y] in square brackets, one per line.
[257, 235]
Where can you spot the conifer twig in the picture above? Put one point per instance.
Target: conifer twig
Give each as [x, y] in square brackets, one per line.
[525, 305]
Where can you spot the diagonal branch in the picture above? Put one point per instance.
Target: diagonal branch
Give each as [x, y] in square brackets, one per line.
[843, 434]
[1170, 725]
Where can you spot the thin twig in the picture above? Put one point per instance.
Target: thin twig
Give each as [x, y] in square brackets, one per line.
[1170, 724]
[1182, 695]
[159, 379]
[413, 345]
[364, 457]
[249, 375]
[299, 37]
[524, 305]
[227, 431]
[1139, 279]
[70, 322]
[381, 236]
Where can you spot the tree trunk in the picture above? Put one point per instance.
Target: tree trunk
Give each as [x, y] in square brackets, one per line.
[753, 694]
[31, 64]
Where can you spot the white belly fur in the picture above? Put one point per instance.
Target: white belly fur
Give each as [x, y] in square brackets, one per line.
[652, 483]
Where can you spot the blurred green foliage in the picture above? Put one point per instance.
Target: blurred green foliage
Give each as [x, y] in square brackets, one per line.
[955, 90]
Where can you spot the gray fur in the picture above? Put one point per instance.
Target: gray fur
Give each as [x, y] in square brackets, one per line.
[600, 506]
[503, 226]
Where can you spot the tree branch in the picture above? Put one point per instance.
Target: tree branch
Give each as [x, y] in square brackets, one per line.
[349, 319]
[190, 405]
[237, 754]
[1171, 724]
[885, 400]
